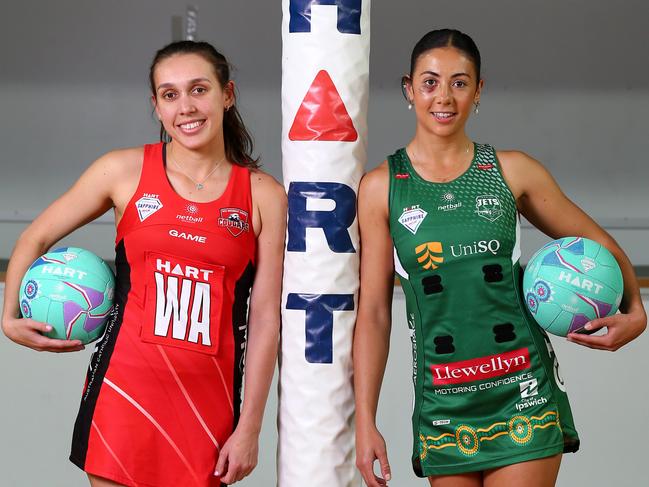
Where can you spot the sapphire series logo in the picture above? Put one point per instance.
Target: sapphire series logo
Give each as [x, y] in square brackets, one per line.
[147, 205]
[412, 217]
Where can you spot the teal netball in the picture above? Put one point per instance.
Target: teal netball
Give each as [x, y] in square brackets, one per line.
[72, 290]
[571, 281]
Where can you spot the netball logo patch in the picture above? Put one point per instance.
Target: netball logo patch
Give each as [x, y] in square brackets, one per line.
[235, 220]
[488, 206]
[412, 217]
[147, 205]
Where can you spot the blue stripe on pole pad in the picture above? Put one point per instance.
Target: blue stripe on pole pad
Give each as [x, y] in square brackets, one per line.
[319, 322]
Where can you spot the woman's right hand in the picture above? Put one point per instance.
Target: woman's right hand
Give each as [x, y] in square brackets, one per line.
[370, 446]
[29, 333]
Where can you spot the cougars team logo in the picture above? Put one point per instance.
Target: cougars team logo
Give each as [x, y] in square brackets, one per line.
[235, 220]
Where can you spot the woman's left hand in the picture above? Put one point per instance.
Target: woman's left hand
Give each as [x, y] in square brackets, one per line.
[621, 329]
[238, 457]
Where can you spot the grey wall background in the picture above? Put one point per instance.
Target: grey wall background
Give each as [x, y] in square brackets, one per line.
[566, 81]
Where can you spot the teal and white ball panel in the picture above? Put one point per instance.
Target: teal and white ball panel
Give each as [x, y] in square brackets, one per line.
[71, 289]
[570, 282]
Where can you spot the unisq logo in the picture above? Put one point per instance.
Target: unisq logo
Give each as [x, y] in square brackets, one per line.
[477, 247]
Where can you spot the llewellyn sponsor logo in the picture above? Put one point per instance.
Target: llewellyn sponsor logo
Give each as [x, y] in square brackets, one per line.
[481, 368]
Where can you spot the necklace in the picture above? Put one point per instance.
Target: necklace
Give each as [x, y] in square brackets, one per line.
[442, 179]
[199, 184]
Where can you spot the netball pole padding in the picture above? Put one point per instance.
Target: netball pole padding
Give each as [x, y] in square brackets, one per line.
[325, 84]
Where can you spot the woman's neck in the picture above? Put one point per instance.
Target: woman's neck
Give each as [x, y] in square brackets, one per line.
[203, 156]
[442, 151]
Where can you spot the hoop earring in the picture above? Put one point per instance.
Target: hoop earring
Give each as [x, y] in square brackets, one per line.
[475, 110]
[404, 90]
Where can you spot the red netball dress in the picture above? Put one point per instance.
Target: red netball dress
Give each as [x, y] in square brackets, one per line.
[162, 393]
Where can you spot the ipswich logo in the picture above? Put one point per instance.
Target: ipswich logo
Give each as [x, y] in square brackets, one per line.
[429, 255]
[235, 220]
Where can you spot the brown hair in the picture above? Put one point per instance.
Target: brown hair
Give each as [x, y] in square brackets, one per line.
[237, 140]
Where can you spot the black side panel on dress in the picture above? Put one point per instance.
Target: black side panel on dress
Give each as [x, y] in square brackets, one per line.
[239, 328]
[100, 359]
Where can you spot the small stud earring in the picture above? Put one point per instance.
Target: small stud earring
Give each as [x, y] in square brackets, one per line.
[475, 110]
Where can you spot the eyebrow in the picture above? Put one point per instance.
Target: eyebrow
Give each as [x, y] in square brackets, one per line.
[191, 82]
[433, 73]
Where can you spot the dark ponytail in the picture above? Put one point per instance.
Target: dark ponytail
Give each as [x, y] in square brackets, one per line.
[237, 140]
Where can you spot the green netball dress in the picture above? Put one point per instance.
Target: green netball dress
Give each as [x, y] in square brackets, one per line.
[488, 391]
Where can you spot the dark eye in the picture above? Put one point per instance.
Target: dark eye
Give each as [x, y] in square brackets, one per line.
[199, 90]
[169, 95]
[459, 83]
[430, 82]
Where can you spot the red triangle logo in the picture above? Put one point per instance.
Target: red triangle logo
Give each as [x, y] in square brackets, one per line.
[322, 115]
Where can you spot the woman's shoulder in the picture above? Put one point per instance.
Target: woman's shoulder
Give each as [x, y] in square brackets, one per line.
[515, 159]
[522, 171]
[118, 171]
[121, 161]
[377, 178]
[265, 187]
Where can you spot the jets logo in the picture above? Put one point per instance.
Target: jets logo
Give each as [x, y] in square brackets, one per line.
[429, 255]
[235, 220]
[488, 207]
